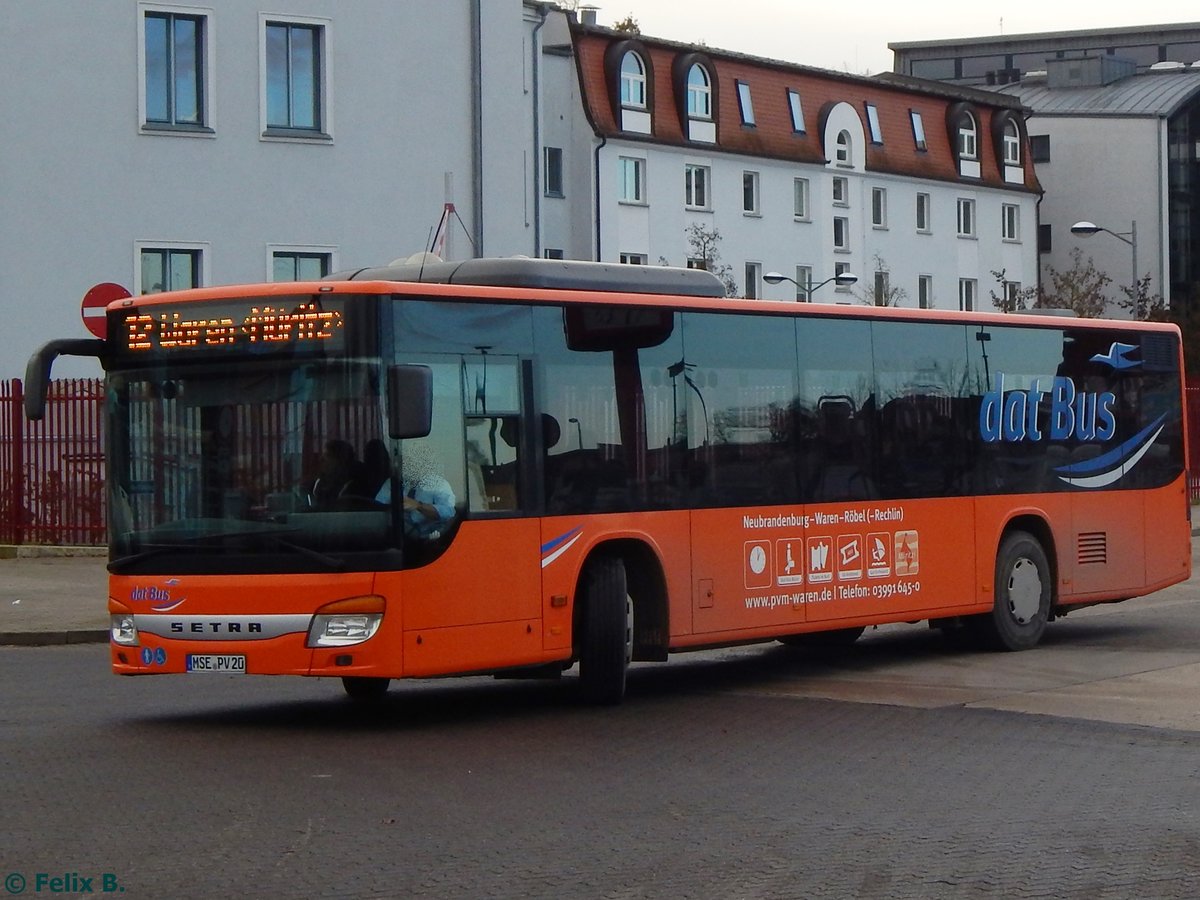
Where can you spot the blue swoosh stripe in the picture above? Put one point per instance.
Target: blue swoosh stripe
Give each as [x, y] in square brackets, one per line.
[550, 545]
[1116, 456]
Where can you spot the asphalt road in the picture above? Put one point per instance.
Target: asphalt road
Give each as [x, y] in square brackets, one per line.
[911, 767]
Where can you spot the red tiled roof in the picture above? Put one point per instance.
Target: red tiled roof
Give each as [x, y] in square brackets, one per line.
[772, 136]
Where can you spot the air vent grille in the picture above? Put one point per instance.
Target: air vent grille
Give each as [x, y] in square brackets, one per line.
[1093, 548]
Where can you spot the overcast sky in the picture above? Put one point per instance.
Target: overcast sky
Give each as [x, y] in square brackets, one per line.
[853, 36]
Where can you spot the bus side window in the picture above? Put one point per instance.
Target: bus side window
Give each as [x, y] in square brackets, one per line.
[492, 463]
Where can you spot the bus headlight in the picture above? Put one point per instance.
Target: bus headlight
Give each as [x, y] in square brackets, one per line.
[122, 626]
[346, 622]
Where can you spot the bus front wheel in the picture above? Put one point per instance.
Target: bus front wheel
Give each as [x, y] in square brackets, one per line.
[607, 631]
[360, 688]
[1024, 585]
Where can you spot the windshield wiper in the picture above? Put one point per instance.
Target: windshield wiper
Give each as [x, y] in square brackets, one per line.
[197, 542]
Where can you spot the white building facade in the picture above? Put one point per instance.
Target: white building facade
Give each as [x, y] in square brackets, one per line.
[927, 195]
[167, 145]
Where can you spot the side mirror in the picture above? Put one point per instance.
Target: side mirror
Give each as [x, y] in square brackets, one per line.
[37, 372]
[409, 401]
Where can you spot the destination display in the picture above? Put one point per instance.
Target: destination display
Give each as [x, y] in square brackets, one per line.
[302, 324]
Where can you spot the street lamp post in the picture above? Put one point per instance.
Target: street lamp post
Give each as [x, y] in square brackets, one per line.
[1087, 229]
[844, 279]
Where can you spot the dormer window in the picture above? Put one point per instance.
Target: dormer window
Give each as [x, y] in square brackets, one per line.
[699, 93]
[962, 127]
[968, 138]
[1007, 144]
[695, 83]
[1012, 144]
[629, 73]
[633, 81]
[842, 148]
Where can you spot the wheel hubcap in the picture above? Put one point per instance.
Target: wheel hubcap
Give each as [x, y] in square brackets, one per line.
[1024, 591]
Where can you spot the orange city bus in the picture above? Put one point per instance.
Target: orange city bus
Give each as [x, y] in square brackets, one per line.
[513, 466]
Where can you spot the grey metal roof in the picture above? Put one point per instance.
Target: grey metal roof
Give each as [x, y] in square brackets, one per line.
[1152, 94]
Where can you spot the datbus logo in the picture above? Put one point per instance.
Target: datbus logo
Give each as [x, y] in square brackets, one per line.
[1017, 415]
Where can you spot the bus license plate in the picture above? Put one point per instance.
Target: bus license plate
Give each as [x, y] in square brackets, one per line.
[230, 665]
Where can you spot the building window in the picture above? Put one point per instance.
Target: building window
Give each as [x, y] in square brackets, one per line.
[925, 291]
[967, 288]
[841, 150]
[797, 111]
[699, 93]
[554, 171]
[753, 280]
[696, 187]
[841, 233]
[295, 72]
[1012, 295]
[697, 262]
[841, 191]
[1012, 144]
[633, 81]
[803, 282]
[968, 145]
[633, 180]
[924, 218]
[918, 128]
[549, 253]
[1045, 243]
[1010, 222]
[882, 288]
[800, 198]
[174, 62]
[168, 268]
[635, 259]
[879, 207]
[750, 194]
[745, 104]
[292, 265]
[873, 124]
[1039, 148]
[966, 217]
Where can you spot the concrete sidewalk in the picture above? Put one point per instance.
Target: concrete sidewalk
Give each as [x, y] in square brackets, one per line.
[53, 599]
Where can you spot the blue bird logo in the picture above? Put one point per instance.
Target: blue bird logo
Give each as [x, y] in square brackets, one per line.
[1116, 356]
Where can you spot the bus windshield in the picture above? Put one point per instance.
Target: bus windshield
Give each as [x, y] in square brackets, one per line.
[284, 463]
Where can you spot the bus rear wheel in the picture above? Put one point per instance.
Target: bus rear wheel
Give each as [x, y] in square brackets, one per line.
[360, 688]
[607, 631]
[1024, 585]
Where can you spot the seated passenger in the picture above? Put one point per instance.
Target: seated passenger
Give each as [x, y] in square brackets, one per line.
[338, 465]
[428, 498]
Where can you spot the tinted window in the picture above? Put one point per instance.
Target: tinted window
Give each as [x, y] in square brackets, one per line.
[607, 456]
[835, 413]
[924, 420]
[737, 388]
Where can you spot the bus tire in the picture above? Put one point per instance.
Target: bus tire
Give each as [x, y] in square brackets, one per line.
[824, 640]
[1024, 586]
[607, 631]
[359, 688]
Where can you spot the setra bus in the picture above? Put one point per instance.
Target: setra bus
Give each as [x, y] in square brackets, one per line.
[515, 466]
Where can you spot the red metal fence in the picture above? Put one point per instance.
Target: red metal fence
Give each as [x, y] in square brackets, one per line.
[52, 471]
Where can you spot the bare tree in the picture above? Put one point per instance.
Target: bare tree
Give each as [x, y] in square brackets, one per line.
[883, 292]
[704, 253]
[1079, 288]
[628, 25]
[1141, 304]
[1012, 299]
